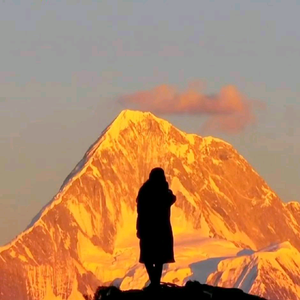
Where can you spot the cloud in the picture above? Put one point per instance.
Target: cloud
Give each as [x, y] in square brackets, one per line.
[228, 111]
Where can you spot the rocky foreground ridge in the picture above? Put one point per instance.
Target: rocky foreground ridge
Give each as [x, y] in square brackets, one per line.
[191, 290]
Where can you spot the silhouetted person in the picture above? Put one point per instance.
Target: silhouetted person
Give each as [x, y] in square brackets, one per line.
[153, 225]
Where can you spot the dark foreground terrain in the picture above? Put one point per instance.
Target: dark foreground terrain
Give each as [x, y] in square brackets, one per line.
[192, 290]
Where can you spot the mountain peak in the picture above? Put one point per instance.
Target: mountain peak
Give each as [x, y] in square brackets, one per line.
[133, 115]
[128, 117]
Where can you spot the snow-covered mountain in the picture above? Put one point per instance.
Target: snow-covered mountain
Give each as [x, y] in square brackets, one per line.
[272, 272]
[86, 235]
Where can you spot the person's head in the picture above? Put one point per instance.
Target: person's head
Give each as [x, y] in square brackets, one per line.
[157, 175]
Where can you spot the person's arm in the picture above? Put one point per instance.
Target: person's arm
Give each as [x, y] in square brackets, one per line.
[138, 234]
[172, 197]
[138, 220]
[138, 216]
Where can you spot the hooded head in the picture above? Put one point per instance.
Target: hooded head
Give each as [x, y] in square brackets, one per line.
[157, 175]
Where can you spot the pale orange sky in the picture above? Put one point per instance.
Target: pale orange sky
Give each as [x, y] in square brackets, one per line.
[64, 66]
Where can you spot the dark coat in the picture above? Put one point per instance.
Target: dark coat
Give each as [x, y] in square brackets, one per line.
[153, 222]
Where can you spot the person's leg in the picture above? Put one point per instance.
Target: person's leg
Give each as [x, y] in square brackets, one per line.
[157, 273]
[151, 272]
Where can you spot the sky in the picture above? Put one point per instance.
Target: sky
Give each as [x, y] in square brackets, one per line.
[68, 68]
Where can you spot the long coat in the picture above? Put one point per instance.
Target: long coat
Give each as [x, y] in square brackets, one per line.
[153, 225]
